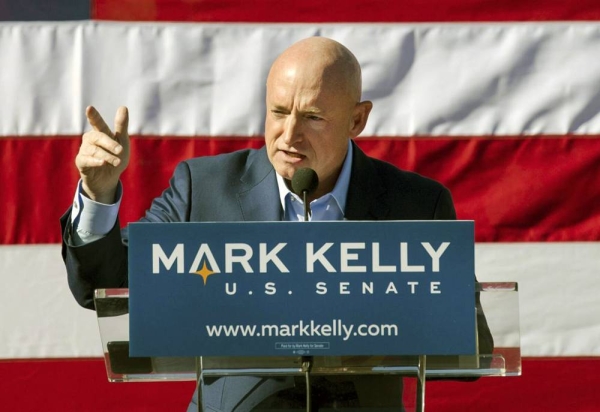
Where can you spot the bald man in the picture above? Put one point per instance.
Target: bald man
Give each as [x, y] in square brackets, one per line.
[313, 113]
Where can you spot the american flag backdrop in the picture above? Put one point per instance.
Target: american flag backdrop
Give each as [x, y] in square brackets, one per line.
[500, 101]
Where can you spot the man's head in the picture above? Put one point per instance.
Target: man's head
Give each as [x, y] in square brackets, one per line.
[313, 108]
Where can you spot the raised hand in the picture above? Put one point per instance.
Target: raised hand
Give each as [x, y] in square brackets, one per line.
[103, 155]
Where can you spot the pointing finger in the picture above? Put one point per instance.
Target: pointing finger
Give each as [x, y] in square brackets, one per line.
[96, 121]
[121, 121]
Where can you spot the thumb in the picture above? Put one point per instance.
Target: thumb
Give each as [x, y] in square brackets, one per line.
[122, 121]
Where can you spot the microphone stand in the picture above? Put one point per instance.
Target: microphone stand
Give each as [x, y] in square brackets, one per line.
[307, 360]
[306, 208]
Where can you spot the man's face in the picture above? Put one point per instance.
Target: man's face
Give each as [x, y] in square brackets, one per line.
[308, 124]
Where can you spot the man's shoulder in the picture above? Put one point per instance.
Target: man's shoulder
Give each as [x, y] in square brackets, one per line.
[383, 191]
[227, 172]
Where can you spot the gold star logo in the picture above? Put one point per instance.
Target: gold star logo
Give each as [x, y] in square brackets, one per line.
[204, 272]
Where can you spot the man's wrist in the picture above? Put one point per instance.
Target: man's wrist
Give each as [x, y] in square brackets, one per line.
[92, 219]
[108, 198]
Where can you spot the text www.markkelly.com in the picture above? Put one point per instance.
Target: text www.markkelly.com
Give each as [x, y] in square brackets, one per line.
[310, 329]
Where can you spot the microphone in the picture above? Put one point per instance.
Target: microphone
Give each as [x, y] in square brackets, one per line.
[305, 182]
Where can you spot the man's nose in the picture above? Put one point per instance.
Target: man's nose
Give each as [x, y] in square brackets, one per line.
[292, 132]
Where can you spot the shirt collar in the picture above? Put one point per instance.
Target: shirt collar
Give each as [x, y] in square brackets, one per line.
[340, 190]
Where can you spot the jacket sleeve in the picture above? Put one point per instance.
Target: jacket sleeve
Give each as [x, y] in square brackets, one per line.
[444, 208]
[103, 263]
[96, 265]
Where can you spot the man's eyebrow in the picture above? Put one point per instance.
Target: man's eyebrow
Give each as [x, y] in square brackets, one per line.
[308, 110]
[279, 108]
[313, 109]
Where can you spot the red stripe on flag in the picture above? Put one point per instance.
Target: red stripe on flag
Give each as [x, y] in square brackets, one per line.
[516, 189]
[81, 385]
[318, 11]
[37, 175]
[547, 384]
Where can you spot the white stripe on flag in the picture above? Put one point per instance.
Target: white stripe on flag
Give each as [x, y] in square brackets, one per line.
[558, 301]
[40, 318]
[208, 79]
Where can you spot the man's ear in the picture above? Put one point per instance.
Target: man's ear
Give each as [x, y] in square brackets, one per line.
[360, 117]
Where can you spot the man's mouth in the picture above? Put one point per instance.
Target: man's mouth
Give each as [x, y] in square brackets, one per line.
[293, 155]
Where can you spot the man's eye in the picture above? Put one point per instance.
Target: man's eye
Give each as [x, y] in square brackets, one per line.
[312, 117]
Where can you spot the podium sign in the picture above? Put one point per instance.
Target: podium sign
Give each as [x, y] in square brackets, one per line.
[296, 288]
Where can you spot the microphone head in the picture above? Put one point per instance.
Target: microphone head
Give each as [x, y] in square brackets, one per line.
[305, 180]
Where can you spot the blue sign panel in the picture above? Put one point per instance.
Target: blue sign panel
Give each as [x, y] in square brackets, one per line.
[296, 288]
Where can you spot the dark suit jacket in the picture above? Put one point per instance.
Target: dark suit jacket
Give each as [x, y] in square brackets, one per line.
[242, 186]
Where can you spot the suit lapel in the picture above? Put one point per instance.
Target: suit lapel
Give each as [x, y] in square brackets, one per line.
[259, 196]
[367, 198]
